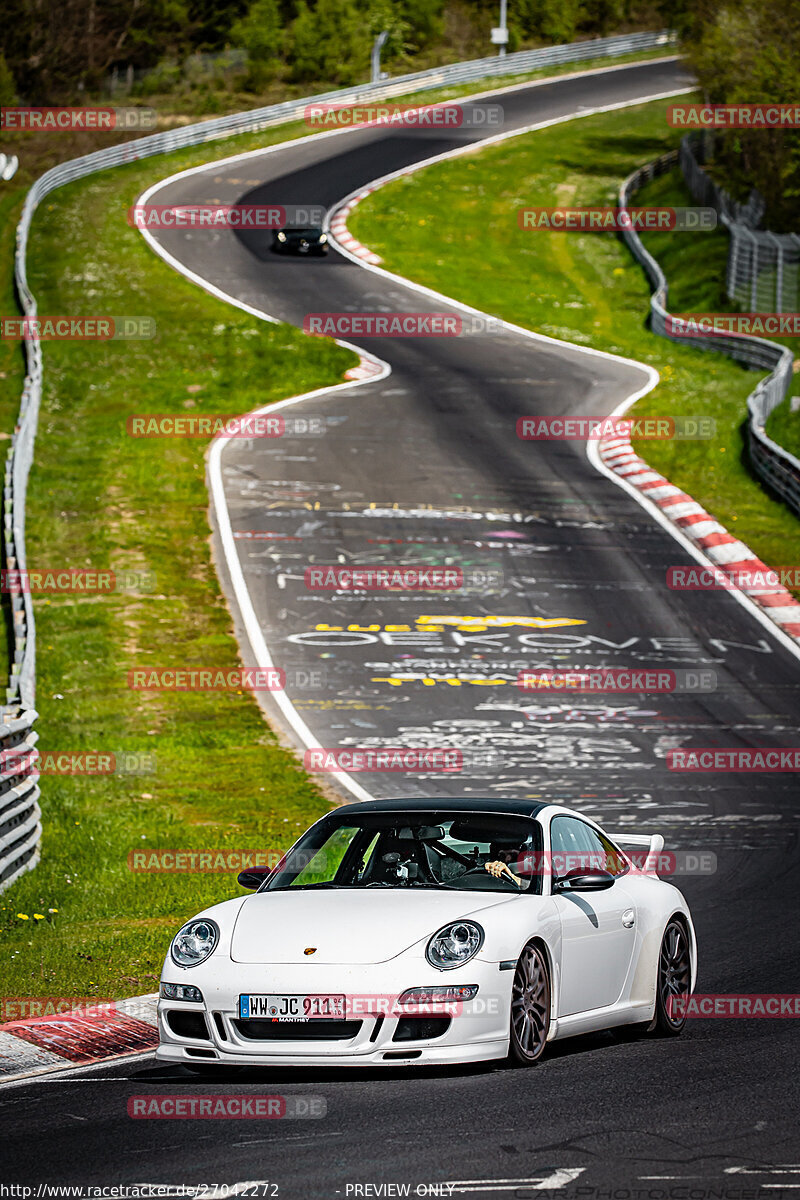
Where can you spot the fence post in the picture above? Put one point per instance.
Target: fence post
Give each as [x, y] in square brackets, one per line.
[778, 272]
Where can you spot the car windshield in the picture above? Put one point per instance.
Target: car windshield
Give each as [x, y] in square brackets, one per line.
[303, 230]
[434, 849]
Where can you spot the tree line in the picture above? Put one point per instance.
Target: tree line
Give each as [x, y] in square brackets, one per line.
[55, 50]
[748, 51]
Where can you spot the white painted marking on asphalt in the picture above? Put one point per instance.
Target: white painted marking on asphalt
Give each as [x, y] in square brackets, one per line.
[537, 1183]
[70, 1073]
[728, 552]
[791, 1170]
[255, 634]
[684, 508]
[666, 489]
[703, 528]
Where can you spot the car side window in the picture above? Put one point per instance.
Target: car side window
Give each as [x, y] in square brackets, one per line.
[616, 863]
[576, 845]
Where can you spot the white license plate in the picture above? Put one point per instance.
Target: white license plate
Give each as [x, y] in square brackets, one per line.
[292, 1007]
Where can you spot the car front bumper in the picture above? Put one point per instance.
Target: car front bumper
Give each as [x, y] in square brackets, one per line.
[478, 1028]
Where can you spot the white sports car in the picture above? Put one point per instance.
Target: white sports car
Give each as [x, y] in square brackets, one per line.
[424, 931]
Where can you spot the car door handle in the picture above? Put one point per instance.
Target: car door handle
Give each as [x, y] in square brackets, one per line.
[629, 918]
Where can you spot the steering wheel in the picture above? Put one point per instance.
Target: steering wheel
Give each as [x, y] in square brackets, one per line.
[481, 880]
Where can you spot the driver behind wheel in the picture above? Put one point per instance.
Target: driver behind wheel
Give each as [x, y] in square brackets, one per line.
[501, 856]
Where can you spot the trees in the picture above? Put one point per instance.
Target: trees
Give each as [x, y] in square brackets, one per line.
[425, 21]
[331, 43]
[260, 33]
[746, 52]
[7, 89]
[58, 48]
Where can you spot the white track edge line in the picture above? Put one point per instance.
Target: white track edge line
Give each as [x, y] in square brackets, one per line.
[71, 1068]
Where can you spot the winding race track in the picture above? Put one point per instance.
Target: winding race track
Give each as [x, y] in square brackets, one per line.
[422, 466]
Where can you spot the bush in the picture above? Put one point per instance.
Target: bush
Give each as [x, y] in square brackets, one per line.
[745, 53]
[8, 92]
[332, 43]
[259, 32]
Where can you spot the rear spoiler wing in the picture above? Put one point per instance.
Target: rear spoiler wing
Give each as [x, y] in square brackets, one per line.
[654, 843]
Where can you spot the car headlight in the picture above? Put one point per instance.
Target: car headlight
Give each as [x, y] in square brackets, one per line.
[323, 239]
[193, 944]
[281, 237]
[455, 944]
[181, 991]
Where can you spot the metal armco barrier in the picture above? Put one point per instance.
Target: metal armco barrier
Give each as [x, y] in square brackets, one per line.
[20, 827]
[779, 469]
[763, 268]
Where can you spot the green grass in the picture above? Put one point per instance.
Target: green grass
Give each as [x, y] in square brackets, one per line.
[100, 498]
[783, 425]
[586, 288]
[694, 265]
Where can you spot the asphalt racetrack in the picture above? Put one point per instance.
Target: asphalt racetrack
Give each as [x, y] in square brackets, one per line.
[564, 569]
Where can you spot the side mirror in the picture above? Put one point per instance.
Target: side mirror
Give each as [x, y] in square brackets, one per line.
[583, 881]
[253, 877]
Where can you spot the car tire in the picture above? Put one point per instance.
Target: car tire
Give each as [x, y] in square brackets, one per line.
[674, 978]
[530, 1008]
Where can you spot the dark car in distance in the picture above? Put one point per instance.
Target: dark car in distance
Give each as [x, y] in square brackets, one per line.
[308, 239]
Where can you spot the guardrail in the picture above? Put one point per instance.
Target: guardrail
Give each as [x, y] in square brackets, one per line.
[20, 826]
[779, 469]
[763, 268]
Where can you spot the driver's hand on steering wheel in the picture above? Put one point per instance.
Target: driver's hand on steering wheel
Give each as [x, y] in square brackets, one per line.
[498, 869]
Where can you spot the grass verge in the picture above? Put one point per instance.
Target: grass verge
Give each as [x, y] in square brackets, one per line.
[83, 924]
[586, 288]
[783, 423]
